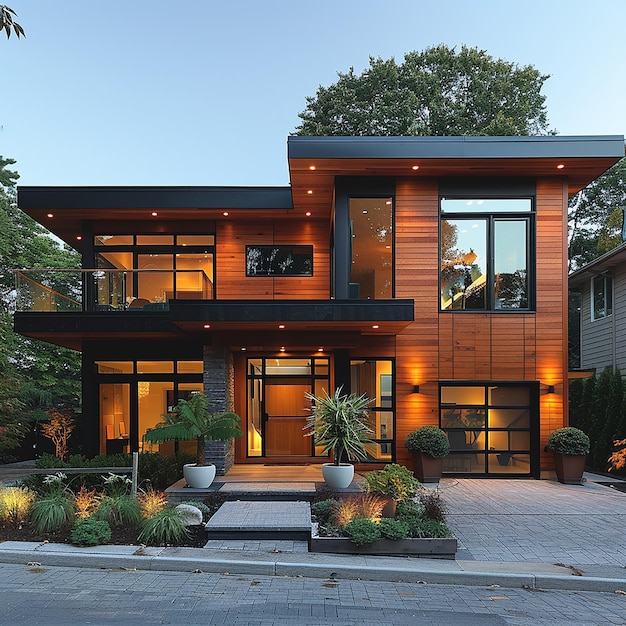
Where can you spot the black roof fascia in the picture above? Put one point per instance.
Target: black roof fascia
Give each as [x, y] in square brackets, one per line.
[154, 197]
[293, 310]
[299, 147]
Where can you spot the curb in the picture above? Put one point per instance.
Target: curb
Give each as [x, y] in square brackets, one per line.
[426, 571]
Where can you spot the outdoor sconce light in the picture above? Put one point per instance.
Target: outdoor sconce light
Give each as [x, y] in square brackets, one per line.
[550, 388]
[416, 388]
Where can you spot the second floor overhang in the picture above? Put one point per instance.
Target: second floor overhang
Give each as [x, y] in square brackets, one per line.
[306, 324]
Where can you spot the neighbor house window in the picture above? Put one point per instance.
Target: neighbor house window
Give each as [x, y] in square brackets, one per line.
[485, 251]
[601, 296]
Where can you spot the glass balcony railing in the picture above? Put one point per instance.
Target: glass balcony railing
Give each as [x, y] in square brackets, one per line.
[58, 290]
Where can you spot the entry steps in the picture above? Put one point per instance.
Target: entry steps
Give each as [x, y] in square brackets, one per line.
[261, 520]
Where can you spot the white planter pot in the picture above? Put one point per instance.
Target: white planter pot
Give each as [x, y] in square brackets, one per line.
[338, 476]
[198, 476]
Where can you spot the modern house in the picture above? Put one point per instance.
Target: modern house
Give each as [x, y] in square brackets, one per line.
[602, 287]
[426, 272]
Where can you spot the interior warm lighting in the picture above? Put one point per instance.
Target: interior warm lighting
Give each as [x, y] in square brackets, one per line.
[320, 349]
[225, 213]
[415, 168]
[312, 167]
[207, 326]
[560, 166]
[388, 202]
[308, 213]
[282, 348]
[50, 214]
[310, 191]
[154, 213]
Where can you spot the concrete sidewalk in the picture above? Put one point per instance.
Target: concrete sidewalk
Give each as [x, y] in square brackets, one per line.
[512, 533]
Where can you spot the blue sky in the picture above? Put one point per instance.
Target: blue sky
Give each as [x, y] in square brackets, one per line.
[200, 92]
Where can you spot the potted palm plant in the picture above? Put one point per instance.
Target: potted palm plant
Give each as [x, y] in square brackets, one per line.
[339, 423]
[191, 419]
[570, 447]
[428, 445]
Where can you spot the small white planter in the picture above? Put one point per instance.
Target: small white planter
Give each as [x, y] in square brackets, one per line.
[338, 476]
[198, 476]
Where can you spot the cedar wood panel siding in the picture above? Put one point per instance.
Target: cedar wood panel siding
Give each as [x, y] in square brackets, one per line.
[231, 240]
[476, 346]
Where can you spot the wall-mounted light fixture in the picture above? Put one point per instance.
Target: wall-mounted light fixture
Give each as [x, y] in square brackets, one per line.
[416, 388]
[550, 388]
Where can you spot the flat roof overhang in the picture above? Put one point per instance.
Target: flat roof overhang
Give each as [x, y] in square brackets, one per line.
[315, 162]
[339, 323]
[601, 265]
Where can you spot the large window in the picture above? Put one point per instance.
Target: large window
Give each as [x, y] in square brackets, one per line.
[485, 254]
[492, 427]
[371, 232]
[601, 296]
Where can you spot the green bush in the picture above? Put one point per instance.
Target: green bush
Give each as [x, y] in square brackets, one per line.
[323, 510]
[428, 439]
[393, 480]
[429, 528]
[568, 441]
[393, 528]
[362, 531]
[166, 527]
[90, 532]
[51, 512]
[123, 510]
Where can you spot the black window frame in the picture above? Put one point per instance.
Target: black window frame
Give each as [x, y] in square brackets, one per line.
[490, 219]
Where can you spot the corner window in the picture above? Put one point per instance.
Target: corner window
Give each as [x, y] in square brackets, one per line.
[485, 250]
[601, 296]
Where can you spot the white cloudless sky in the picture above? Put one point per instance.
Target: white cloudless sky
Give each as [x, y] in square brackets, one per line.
[205, 92]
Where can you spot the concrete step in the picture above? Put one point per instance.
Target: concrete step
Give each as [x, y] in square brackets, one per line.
[262, 520]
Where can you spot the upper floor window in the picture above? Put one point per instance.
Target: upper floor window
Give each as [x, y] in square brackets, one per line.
[371, 232]
[485, 251]
[601, 296]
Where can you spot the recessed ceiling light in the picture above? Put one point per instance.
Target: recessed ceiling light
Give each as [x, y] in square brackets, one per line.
[79, 237]
[308, 214]
[415, 167]
[312, 167]
[225, 213]
[281, 326]
[243, 349]
[207, 326]
[375, 326]
[309, 191]
[560, 166]
[282, 348]
[320, 349]
[154, 213]
[50, 214]
[388, 202]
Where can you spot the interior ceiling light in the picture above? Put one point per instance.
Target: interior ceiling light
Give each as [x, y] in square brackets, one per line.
[415, 167]
[282, 348]
[79, 237]
[560, 166]
[243, 349]
[309, 191]
[375, 326]
[225, 213]
[154, 213]
[50, 214]
[207, 326]
[312, 168]
[281, 326]
[308, 213]
[320, 349]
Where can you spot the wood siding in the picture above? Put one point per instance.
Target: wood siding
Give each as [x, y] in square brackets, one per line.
[231, 281]
[472, 345]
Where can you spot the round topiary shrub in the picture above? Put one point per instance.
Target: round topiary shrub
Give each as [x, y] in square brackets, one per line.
[90, 532]
[568, 440]
[428, 439]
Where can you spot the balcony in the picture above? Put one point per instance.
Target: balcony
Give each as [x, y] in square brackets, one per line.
[108, 290]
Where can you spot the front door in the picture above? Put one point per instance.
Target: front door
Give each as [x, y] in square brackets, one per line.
[277, 404]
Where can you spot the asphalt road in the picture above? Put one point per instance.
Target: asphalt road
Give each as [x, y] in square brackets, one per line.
[55, 596]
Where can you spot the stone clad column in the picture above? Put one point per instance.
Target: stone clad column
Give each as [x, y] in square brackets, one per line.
[219, 388]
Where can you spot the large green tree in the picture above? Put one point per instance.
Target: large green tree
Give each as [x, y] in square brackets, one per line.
[440, 91]
[596, 217]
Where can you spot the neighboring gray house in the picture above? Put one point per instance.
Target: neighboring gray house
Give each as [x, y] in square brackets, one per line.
[602, 285]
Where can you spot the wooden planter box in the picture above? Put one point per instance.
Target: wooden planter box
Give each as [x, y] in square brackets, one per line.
[428, 548]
